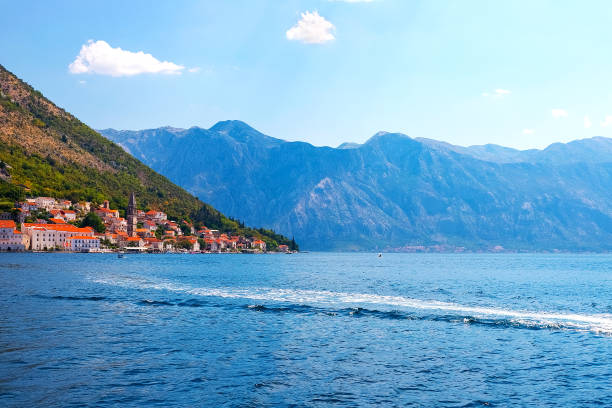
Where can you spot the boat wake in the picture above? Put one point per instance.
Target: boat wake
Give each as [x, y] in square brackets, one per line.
[371, 305]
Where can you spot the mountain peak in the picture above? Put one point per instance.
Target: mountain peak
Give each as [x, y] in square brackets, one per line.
[231, 126]
[383, 136]
[243, 133]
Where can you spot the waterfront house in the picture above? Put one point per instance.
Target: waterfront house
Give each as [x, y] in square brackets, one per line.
[131, 242]
[211, 244]
[154, 244]
[81, 243]
[258, 244]
[52, 236]
[169, 243]
[193, 241]
[10, 238]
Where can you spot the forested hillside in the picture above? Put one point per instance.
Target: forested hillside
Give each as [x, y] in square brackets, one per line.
[45, 150]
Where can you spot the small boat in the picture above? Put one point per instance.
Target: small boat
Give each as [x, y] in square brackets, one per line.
[120, 255]
[380, 255]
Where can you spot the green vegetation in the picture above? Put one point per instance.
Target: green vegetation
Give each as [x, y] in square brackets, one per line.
[114, 177]
[11, 193]
[94, 221]
[41, 214]
[184, 244]
[159, 232]
[185, 229]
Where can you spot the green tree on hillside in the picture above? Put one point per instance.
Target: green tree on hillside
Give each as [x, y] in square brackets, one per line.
[93, 220]
[159, 232]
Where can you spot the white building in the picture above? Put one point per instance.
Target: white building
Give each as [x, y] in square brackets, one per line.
[64, 204]
[52, 236]
[83, 206]
[157, 216]
[10, 238]
[68, 215]
[80, 243]
[48, 203]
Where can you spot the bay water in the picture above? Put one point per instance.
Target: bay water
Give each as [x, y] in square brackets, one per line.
[311, 329]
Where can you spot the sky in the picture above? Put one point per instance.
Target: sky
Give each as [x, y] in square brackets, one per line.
[523, 74]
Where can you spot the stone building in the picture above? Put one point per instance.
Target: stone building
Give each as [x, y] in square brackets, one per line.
[131, 216]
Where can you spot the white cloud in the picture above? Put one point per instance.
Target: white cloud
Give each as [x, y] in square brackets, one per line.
[607, 121]
[502, 92]
[528, 131]
[82, 82]
[194, 70]
[98, 57]
[498, 93]
[311, 29]
[558, 113]
[587, 122]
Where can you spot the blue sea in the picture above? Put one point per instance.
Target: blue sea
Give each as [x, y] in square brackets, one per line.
[312, 329]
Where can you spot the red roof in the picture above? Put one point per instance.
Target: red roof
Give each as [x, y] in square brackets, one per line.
[57, 220]
[81, 237]
[133, 239]
[59, 227]
[7, 224]
[106, 210]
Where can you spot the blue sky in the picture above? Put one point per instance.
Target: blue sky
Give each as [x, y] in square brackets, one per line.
[521, 74]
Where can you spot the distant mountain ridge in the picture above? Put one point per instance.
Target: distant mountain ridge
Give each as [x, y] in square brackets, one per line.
[392, 191]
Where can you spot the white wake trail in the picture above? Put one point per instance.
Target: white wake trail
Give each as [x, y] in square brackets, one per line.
[600, 323]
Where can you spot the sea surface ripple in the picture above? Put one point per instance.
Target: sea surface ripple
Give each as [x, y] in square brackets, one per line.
[305, 330]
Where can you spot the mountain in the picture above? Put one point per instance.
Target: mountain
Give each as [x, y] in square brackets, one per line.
[47, 151]
[392, 191]
[593, 150]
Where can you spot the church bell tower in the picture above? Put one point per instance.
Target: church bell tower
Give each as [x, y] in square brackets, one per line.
[130, 216]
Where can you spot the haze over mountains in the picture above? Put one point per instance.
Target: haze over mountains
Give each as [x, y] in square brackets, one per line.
[392, 191]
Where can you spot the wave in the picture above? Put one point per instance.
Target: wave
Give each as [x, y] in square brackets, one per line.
[368, 305]
[90, 298]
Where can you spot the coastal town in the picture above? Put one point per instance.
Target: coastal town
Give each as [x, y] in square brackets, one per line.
[50, 224]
